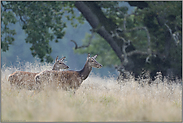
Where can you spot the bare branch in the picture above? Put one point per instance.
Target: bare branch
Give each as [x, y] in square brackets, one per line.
[22, 19]
[76, 45]
[124, 23]
[115, 34]
[148, 36]
[2, 4]
[137, 52]
[21, 16]
[83, 46]
[91, 16]
[127, 43]
[148, 40]
[125, 54]
[172, 35]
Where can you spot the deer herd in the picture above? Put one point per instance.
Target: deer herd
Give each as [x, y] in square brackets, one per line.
[55, 78]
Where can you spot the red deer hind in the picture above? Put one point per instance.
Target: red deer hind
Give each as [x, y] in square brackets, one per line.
[67, 79]
[24, 79]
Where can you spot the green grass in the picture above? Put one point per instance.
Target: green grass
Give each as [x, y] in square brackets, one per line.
[97, 99]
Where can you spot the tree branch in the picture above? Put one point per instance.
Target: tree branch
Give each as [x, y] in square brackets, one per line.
[21, 16]
[5, 8]
[127, 43]
[172, 35]
[148, 36]
[141, 28]
[95, 23]
[83, 46]
[137, 52]
[22, 19]
[124, 23]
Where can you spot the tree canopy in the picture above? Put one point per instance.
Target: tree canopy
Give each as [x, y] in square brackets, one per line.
[149, 38]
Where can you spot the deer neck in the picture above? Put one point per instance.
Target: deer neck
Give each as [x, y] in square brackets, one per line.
[85, 71]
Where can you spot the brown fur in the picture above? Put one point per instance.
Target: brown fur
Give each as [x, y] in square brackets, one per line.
[66, 79]
[22, 79]
[60, 79]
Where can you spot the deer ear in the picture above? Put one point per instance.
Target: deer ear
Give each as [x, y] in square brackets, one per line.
[62, 58]
[88, 55]
[56, 59]
[95, 56]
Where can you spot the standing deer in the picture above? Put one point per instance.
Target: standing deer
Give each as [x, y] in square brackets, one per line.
[26, 79]
[67, 79]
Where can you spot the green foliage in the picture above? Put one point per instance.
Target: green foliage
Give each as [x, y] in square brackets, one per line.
[98, 45]
[112, 10]
[154, 17]
[41, 21]
[7, 18]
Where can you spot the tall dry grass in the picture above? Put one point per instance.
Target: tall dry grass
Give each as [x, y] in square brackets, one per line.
[98, 99]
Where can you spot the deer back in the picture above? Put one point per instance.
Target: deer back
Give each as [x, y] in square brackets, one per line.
[26, 79]
[22, 79]
[59, 79]
[67, 79]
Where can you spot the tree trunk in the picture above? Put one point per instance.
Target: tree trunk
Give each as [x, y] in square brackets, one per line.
[94, 21]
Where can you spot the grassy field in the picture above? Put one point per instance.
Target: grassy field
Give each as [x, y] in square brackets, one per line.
[98, 99]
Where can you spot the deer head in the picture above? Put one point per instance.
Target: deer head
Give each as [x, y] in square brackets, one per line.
[59, 64]
[92, 62]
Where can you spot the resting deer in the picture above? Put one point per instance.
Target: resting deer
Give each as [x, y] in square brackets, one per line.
[26, 79]
[67, 79]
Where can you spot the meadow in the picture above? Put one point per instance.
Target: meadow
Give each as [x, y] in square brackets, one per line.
[98, 99]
